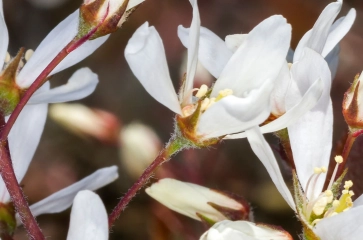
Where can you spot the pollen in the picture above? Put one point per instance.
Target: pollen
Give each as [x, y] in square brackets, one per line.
[224, 93]
[202, 91]
[317, 170]
[28, 54]
[348, 184]
[338, 159]
[7, 57]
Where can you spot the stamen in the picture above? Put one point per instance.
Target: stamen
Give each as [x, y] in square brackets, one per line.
[205, 104]
[224, 93]
[28, 54]
[338, 159]
[202, 91]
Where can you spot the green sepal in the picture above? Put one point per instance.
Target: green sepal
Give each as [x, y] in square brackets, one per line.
[7, 219]
[209, 222]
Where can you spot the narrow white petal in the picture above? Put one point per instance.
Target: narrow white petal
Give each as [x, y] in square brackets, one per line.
[311, 135]
[24, 138]
[333, 60]
[81, 84]
[232, 114]
[62, 199]
[4, 38]
[308, 101]
[53, 43]
[133, 3]
[280, 90]
[88, 218]
[146, 57]
[316, 37]
[234, 41]
[80, 53]
[345, 225]
[213, 52]
[1, 8]
[260, 57]
[358, 201]
[193, 46]
[338, 30]
[263, 151]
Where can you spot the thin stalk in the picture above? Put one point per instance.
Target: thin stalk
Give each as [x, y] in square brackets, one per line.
[346, 150]
[17, 196]
[172, 147]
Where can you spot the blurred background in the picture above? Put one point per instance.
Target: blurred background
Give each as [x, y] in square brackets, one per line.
[63, 157]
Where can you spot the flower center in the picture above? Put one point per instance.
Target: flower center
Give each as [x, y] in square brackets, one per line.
[327, 204]
[206, 102]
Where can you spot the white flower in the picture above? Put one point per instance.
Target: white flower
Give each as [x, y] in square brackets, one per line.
[243, 230]
[240, 96]
[88, 218]
[196, 201]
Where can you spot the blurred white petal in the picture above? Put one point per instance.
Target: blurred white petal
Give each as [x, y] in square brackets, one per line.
[316, 37]
[279, 92]
[333, 60]
[62, 199]
[146, 57]
[81, 84]
[89, 219]
[189, 199]
[4, 38]
[311, 135]
[234, 41]
[232, 114]
[213, 52]
[345, 225]
[260, 57]
[263, 151]
[53, 43]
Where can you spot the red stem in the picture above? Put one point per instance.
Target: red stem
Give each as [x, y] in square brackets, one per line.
[17, 196]
[171, 148]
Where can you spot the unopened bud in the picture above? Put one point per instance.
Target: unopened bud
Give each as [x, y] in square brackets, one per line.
[7, 219]
[103, 17]
[352, 104]
[198, 202]
[139, 145]
[87, 122]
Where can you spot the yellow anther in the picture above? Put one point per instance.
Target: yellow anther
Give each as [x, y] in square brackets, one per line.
[320, 205]
[323, 169]
[317, 170]
[202, 91]
[289, 65]
[205, 104]
[224, 93]
[351, 193]
[348, 184]
[338, 159]
[329, 195]
[345, 191]
[28, 54]
[7, 58]
[336, 203]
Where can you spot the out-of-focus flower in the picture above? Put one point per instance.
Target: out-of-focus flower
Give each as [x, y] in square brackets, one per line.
[104, 16]
[88, 218]
[352, 104]
[238, 230]
[87, 122]
[139, 145]
[199, 202]
[240, 96]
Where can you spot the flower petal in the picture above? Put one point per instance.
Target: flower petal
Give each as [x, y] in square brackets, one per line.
[88, 218]
[53, 43]
[311, 135]
[133, 3]
[232, 114]
[333, 60]
[358, 201]
[4, 37]
[213, 52]
[308, 101]
[279, 92]
[193, 45]
[62, 199]
[316, 37]
[234, 41]
[146, 57]
[81, 84]
[338, 30]
[260, 57]
[175, 195]
[345, 225]
[263, 151]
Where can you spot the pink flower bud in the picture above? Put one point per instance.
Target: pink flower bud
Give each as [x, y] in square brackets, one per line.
[352, 104]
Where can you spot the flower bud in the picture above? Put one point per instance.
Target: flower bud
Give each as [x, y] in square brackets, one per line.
[352, 104]
[199, 202]
[139, 147]
[104, 16]
[7, 219]
[87, 122]
[227, 230]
